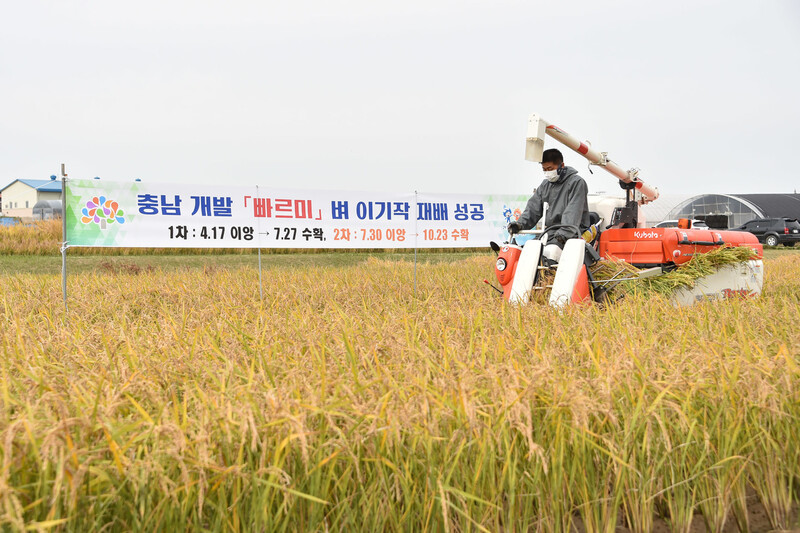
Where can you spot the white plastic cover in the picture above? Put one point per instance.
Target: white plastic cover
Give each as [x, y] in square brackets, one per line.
[525, 275]
[569, 267]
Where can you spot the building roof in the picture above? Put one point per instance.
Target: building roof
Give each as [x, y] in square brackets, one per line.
[39, 185]
[44, 185]
[774, 205]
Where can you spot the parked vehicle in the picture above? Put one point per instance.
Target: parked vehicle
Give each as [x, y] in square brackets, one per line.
[773, 231]
[696, 224]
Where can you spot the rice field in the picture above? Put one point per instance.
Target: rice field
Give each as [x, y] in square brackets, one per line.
[169, 400]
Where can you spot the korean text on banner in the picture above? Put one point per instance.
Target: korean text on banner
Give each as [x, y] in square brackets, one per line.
[118, 214]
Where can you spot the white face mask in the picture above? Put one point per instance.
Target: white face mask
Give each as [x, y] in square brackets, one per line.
[551, 175]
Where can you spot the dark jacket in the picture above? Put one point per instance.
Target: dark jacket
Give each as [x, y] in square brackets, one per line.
[567, 204]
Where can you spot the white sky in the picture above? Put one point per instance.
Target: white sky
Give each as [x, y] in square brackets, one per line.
[427, 95]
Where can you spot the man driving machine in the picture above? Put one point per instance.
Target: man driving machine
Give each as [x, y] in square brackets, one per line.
[566, 195]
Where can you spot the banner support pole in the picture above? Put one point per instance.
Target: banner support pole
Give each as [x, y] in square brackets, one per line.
[416, 237]
[260, 283]
[64, 235]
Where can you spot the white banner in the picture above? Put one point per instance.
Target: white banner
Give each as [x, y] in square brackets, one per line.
[118, 214]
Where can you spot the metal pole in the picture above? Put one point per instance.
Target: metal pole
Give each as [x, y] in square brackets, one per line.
[260, 283]
[416, 236]
[64, 235]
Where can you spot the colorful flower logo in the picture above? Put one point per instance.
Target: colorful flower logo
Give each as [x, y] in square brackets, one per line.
[507, 213]
[100, 211]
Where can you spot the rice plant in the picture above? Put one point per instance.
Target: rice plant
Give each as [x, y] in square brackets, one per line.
[178, 400]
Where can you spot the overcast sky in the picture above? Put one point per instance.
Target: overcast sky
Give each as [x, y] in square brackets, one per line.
[426, 95]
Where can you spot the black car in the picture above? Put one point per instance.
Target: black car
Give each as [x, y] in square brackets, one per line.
[773, 231]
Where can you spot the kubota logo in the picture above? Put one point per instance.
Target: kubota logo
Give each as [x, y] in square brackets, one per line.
[645, 234]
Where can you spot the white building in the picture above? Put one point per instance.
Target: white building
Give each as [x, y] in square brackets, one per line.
[19, 196]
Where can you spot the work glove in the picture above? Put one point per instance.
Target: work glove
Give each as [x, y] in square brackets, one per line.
[514, 227]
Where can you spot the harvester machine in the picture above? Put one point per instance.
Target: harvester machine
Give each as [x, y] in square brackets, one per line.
[621, 240]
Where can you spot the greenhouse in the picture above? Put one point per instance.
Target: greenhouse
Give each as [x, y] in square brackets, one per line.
[732, 210]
